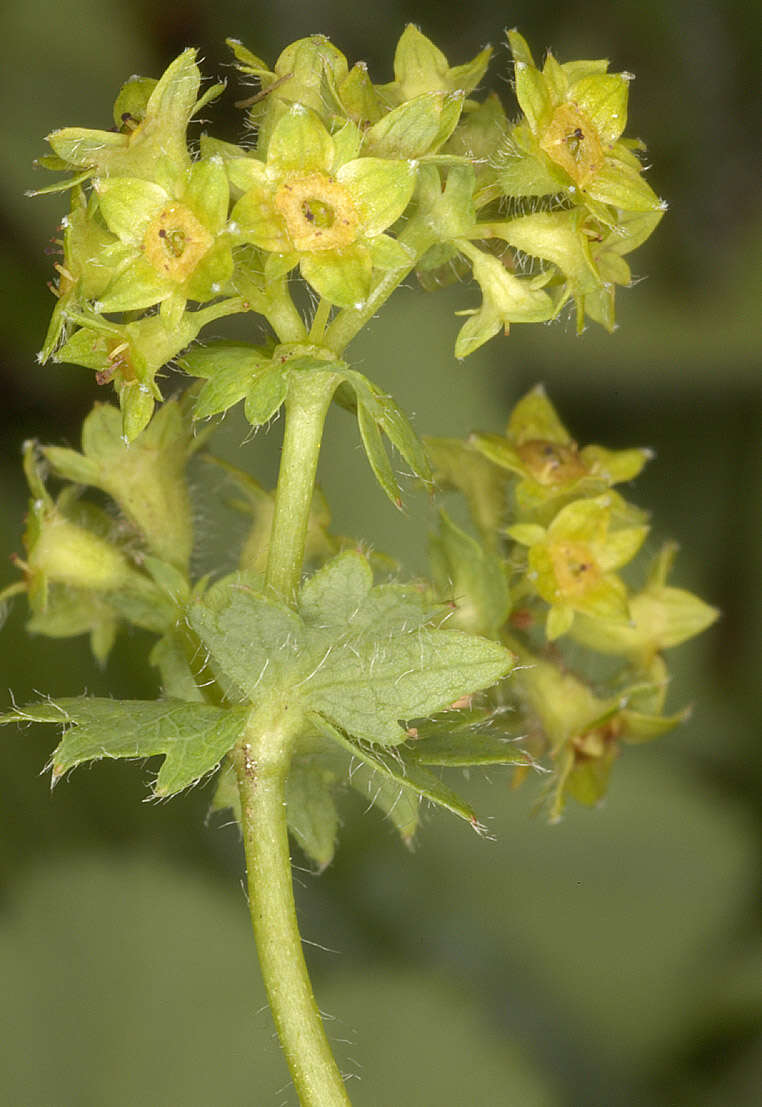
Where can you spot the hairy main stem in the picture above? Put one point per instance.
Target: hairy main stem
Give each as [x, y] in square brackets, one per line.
[309, 396]
[261, 760]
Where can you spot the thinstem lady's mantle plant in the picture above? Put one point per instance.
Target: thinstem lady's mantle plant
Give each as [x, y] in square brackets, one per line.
[315, 665]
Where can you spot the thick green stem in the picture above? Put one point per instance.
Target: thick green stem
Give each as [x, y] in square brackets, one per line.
[262, 759]
[309, 396]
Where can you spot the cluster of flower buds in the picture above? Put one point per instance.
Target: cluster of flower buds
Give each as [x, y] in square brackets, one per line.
[352, 183]
[545, 578]
[87, 568]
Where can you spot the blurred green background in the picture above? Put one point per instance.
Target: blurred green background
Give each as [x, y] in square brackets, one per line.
[612, 960]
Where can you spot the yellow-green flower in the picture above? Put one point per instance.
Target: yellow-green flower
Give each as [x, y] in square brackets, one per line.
[587, 251]
[573, 562]
[146, 478]
[177, 248]
[419, 67]
[539, 449]
[315, 204]
[506, 299]
[62, 548]
[571, 136]
[130, 355]
[583, 732]
[151, 118]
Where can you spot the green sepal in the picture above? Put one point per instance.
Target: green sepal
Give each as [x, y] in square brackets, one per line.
[420, 67]
[380, 188]
[417, 127]
[193, 737]
[247, 61]
[623, 187]
[300, 143]
[450, 212]
[207, 193]
[519, 48]
[341, 276]
[603, 99]
[533, 95]
[60, 186]
[358, 97]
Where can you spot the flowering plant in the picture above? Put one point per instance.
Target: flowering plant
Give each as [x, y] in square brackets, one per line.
[314, 665]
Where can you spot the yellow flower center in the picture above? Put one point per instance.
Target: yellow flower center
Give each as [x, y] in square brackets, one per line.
[318, 212]
[175, 242]
[551, 463]
[574, 568]
[572, 142]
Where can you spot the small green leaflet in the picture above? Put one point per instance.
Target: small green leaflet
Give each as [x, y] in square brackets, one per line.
[192, 736]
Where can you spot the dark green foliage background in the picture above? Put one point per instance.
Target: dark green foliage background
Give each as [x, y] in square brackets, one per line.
[612, 960]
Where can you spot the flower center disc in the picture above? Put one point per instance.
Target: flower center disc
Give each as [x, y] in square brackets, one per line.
[551, 462]
[318, 212]
[572, 141]
[575, 570]
[175, 242]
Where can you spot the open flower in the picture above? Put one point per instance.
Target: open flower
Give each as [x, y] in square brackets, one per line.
[177, 250]
[572, 563]
[571, 136]
[315, 204]
[539, 449]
